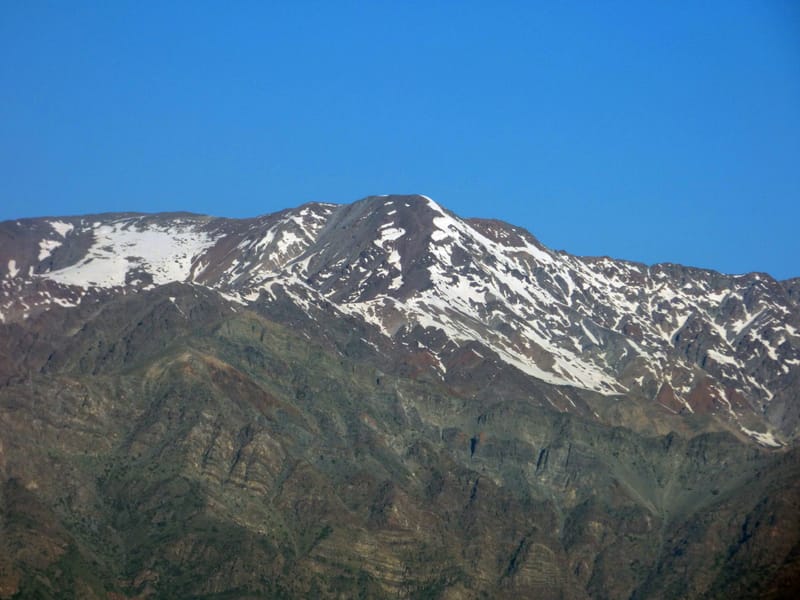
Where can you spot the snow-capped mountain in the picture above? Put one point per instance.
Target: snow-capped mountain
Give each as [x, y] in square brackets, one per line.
[455, 297]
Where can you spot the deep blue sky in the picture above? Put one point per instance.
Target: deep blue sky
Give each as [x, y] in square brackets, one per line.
[652, 131]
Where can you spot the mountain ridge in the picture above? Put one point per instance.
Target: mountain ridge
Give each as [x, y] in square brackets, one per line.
[403, 262]
[382, 400]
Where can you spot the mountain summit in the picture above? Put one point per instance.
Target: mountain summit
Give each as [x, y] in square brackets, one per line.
[384, 399]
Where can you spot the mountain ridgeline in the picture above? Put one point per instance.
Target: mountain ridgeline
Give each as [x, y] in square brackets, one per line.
[383, 399]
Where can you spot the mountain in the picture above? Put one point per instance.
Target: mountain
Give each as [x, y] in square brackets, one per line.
[445, 291]
[387, 400]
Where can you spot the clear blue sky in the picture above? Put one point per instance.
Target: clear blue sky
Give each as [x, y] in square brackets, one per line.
[651, 131]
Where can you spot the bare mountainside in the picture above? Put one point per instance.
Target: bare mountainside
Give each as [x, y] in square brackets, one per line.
[387, 400]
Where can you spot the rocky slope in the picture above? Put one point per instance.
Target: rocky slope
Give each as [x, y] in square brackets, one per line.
[386, 400]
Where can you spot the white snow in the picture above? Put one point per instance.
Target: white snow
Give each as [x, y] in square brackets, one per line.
[437, 235]
[766, 439]
[721, 358]
[232, 297]
[396, 283]
[61, 228]
[46, 248]
[589, 334]
[389, 233]
[12, 268]
[65, 303]
[173, 299]
[394, 259]
[287, 240]
[164, 252]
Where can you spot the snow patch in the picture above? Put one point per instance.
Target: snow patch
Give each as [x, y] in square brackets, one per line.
[46, 248]
[765, 439]
[720, 358]
[61, 228]
[389, 233]
[589, 334]
[165, 252]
